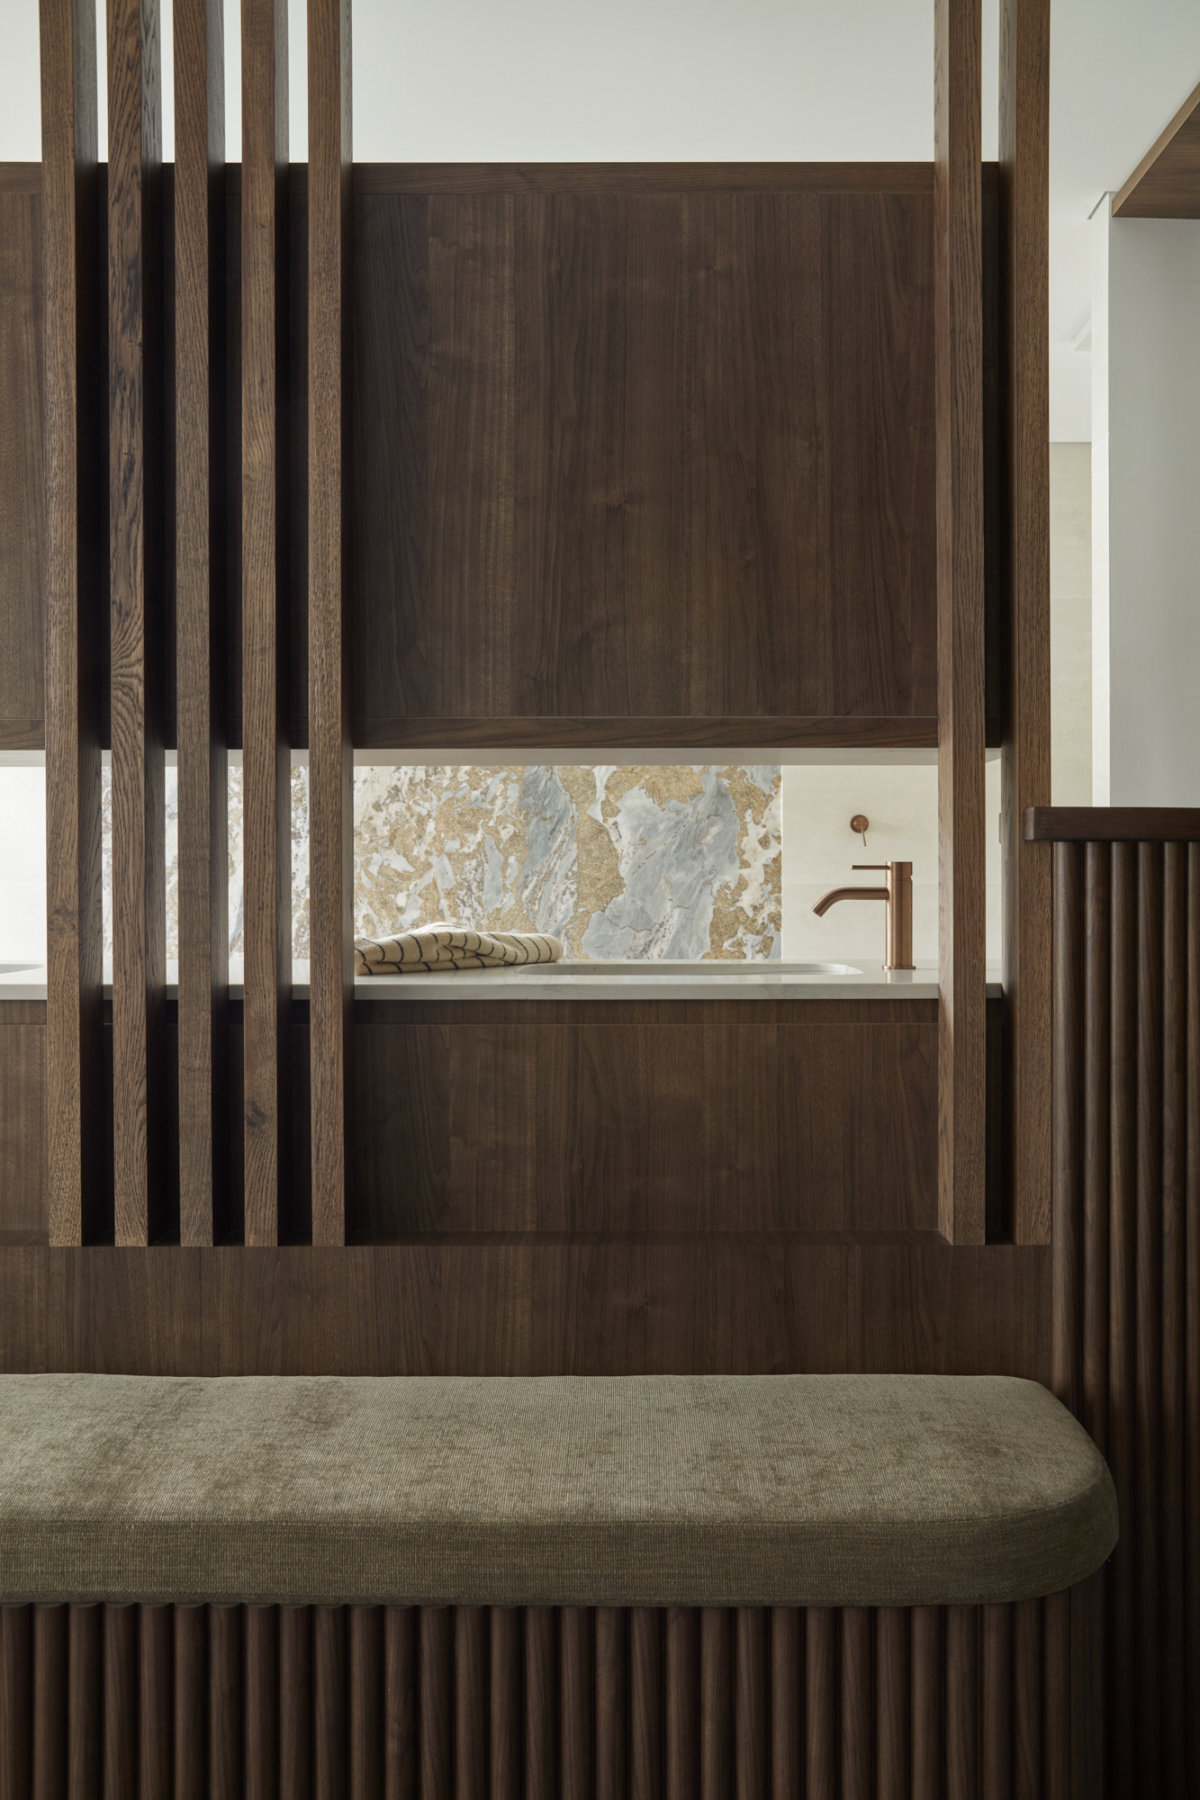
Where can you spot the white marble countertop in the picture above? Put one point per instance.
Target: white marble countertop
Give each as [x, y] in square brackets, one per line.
[593, 981]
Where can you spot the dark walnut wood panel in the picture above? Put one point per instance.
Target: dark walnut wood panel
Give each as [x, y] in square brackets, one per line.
[1166, 183]
[643, 456]
[22, 467]
[705, 1304]
[536, 1703]
[619, 1126]
[1113, 824]
[644, 178]
[756, 731]
[22, 1119]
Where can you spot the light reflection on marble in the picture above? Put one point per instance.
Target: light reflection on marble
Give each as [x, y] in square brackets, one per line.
[641, 864]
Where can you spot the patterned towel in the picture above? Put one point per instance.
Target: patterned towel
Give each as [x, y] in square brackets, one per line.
[446, 947]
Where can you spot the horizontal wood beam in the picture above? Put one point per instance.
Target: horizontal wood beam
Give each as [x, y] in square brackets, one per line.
[1166, 183]
[1112, 825]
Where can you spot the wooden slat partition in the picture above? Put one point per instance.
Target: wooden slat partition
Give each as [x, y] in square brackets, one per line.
[958, 263]
[199, 605]
[137, 609]
[331, 762]
[266, 775]
[1126, 1255]
[595, 1703]
[1166, 183]
[70, 201]
[1025, 188]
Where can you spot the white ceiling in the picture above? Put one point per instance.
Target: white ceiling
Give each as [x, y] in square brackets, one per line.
[566, 80]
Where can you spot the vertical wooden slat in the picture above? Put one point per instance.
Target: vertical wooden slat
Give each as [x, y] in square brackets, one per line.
[1025, 762]
[191, 1702]
[51, 1721]
[997, 1722]
[576, 1676]
[330, 772]
[928, 1712]
[857, 1729]
[261, 1625]
[85, 1703]
[962, 1700]
[892, 1702]
[16, 1702]
[296, 1702]
[751, 1697]
[646, 1674]
[1027, 1698]
[612, 1703]
[119, 1632]
[786, 1701]
[821, 1697]
[1174, 1178]
[958, 265]
[682, 1659]
[1097, 1054]
[71, 338]
[1192, 1309]
[266, 785]
[435, 1656]
[1122, 1308]
[225, 1709]
[135, 282]
[330, 1714]
[1068, 1123]
[470, 1701]
[716, 1703]
[541, 1703]
[506, 1701]
[1056, 1698]
[1148, 1296]
[365, 1628]
[203, 881]
[156, 1694]
[400, 1747]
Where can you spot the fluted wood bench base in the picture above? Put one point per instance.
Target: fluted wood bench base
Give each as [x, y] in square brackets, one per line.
[922, 1703]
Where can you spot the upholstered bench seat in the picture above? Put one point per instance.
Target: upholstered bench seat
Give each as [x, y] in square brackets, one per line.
[791, 1490]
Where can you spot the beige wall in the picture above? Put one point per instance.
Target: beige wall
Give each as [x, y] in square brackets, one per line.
[1071, 623]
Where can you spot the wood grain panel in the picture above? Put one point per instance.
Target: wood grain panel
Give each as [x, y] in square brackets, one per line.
[1166, 183]
[23, 1079]
[743, 1126]
[200, 607]
[962, 886]
[22, 457]
[645, 178]
[1113, 824]
[73, 439]
[597, 415]
[1025, 753]
[135, 536]
[266, 783]
[331, 770]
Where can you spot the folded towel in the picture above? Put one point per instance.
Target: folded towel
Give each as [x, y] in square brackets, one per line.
[446, 947]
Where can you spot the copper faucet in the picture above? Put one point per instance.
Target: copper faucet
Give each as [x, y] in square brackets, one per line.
[898, 895]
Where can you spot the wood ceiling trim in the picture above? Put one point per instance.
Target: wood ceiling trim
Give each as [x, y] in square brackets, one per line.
[1166, 183]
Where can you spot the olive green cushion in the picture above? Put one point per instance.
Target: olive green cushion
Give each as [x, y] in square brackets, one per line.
[825, 1490]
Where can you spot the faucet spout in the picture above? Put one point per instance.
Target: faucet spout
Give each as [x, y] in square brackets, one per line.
[847, 893]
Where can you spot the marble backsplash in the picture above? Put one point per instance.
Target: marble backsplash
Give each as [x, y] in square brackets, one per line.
[621, 863]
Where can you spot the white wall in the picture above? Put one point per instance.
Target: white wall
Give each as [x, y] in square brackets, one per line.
[1146, 511]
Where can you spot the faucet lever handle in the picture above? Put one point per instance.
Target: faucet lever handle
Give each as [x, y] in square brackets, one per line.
[870, 865]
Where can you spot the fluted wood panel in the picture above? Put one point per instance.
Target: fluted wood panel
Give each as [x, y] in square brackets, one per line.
[1126, 1266]
[331, 761]
[73, 447]
[476, 1703]
[266, 786]
[199, 355]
